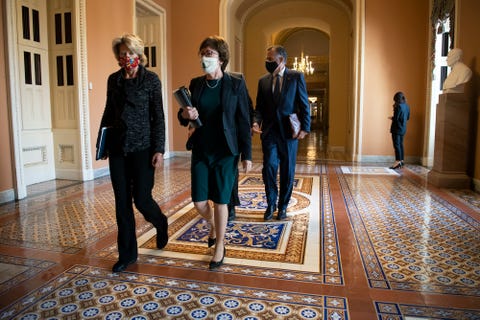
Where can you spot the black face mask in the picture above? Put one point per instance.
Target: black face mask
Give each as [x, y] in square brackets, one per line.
[271, 66]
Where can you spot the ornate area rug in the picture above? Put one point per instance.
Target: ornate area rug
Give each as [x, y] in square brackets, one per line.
[84, 292]
[303, 247]
[410, 238]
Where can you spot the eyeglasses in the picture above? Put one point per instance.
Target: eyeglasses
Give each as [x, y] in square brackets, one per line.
[209, 53]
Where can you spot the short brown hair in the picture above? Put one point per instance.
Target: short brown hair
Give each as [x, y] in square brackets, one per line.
[218, 44]
[133, 42]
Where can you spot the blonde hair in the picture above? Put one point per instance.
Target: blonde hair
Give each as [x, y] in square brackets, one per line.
[133, 43]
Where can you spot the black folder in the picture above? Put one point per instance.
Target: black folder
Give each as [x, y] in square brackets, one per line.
[102, 143]
[183, 97]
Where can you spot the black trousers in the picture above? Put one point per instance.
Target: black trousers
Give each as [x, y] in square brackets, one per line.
[132, 178]
[234, 198]
[397, 140]
[278, 153]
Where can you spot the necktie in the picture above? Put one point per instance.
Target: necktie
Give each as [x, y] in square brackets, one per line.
[276, 88]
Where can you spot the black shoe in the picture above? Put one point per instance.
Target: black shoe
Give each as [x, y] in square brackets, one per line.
[162, 233]
[211, 242]
[162, 239]
[282, 214]
[269, 213]
[397, 166]
[216, 264]
[231, 213]
[121, 265]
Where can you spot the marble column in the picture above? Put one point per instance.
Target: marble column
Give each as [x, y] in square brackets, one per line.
[452, 136]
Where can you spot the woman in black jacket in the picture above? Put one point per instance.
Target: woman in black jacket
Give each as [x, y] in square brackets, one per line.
[398, 128]
[220, 99]
[135, 144]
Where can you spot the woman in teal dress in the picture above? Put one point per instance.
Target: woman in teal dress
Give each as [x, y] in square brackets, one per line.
[220, 101]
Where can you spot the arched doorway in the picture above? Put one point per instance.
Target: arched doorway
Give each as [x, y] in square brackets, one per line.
[250, 26]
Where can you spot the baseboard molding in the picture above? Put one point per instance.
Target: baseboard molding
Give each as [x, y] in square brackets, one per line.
[68, 174]
[101, 172]
[7, 196]
[371, 159]
[336, 149]
[184, 154]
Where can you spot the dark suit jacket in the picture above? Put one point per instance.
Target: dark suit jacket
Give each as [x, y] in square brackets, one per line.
[134, 112]
[294, 99]
[401, 114]
[235, 113]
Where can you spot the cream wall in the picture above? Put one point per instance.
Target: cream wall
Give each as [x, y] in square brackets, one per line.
[396, 59]
[101, 61]
[192, 22]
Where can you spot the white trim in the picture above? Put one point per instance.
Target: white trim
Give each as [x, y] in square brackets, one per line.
[7, 196]
[101, 172]
[82, 90]
[14, 101]
[358, 81]
[181, 154]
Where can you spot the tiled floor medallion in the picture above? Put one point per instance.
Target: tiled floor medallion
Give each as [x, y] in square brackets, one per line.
[410, 239]
[84, 292]
[398, 311]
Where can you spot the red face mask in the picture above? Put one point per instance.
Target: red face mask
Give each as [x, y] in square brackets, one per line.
[129, 63]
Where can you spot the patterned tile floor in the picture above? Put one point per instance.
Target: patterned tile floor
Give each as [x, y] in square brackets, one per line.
[360, 242]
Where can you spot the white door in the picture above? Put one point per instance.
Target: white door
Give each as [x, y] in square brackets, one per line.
[34, 109]
[151, 28]
[148, 28]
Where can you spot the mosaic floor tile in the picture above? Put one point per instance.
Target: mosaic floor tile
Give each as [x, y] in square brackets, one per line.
[305, 248]
[84, 292]
[398, 311]
[77, 221]
[469, 197]
[411, 239]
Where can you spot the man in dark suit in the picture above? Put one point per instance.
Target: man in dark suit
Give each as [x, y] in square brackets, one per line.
[280, 93]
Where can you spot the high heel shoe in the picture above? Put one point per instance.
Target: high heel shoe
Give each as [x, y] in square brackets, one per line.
[397, 166]
[216, 264]
[211, 242]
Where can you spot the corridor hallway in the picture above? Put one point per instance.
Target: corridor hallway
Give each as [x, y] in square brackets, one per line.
[360, 242]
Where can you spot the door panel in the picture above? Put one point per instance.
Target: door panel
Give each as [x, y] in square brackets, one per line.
[148, 28]
[37, 139]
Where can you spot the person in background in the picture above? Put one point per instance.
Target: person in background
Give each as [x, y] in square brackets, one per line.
[135, 144]
[398, 128]
[234, 198]
[280, 93]
[220, 100]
